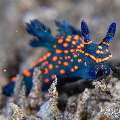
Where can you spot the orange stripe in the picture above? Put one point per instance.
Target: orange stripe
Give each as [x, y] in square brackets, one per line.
[82, 40]
[93, 57]
[89, 42]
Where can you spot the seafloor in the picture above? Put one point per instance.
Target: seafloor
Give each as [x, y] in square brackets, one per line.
[99, 103]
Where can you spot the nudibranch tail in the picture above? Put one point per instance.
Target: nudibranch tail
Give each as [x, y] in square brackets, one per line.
[42, 34]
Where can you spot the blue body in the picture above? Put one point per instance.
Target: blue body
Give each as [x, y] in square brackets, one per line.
[87, 59]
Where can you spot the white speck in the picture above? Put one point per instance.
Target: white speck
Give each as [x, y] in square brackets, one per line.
[4, 70]
[85, 63]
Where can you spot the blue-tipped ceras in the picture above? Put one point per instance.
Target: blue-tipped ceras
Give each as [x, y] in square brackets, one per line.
[71, 53]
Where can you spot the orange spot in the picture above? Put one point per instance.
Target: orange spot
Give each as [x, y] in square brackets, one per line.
[86, 54]
[65, 63]
[46, 71]
[60, 40]
[59, 62]
[79, 60]
[46, 63]
[72, 50]
[33, 64]
[65, 44]
[58, 51]
[54, 46]
[79, 50]
[45, 57]
[82, 45]
[62, 71]
[48, 54]
[66, 51]
[53, 76]
[76, 67]
[79, 47]
[76, 37]
[75, 55]
[41, 59]
[55, 58]
[105, 43]
[73, 42]
[50, 66]
[68, 57]
[68, 38]
[97, 51]
[13, 78]
[27, 73]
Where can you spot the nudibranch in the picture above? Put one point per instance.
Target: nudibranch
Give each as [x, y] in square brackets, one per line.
[71, 53]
